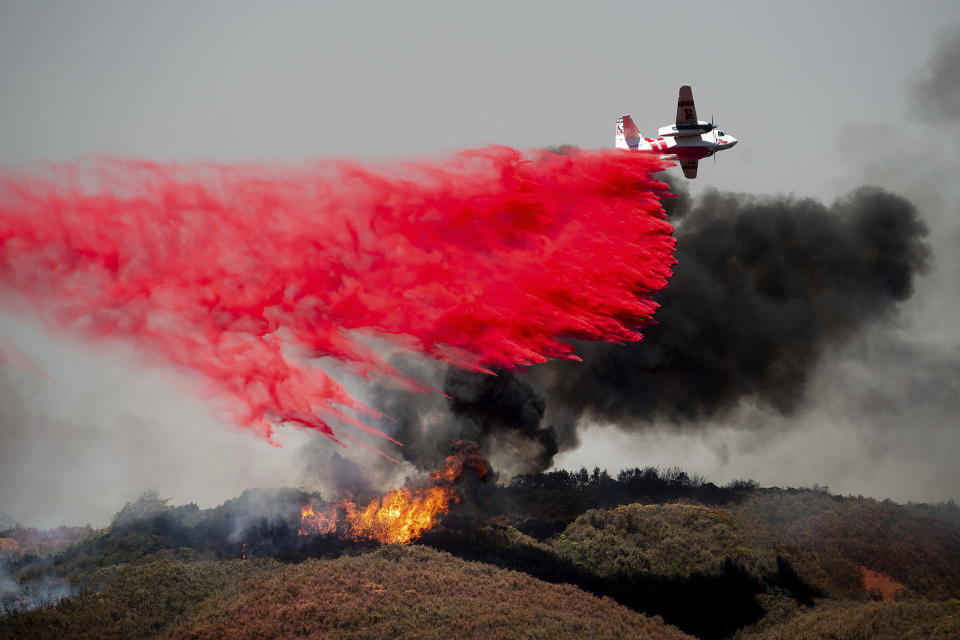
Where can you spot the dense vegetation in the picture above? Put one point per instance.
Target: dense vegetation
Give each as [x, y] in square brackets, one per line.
[581, 554]
[912, 620]
[138, 601]
[393, 592]
[685, 563]
[830, 538]
[416, 592]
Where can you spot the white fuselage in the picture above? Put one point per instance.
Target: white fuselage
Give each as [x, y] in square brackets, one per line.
[682, 146]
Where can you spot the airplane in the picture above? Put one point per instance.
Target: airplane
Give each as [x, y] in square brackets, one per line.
[688, 140]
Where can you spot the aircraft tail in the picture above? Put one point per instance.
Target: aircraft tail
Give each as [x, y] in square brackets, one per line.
[628, 135]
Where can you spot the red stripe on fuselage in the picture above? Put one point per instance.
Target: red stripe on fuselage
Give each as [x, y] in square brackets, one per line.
[681, 151]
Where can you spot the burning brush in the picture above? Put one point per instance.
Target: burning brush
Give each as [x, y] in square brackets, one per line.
[403, 515]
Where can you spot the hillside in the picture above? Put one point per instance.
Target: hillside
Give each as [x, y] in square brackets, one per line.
[662, 540]
[581, 554]
[393, 592]
[20, 540]
[831, 540]
[913, 620]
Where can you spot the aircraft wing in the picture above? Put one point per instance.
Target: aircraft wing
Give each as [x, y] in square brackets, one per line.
[686, 111]
[689, 168]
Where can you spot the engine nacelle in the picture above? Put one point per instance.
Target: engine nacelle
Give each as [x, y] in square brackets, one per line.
[674, 131]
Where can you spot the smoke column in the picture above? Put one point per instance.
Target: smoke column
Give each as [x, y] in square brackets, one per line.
[764, 287]
[255, 278]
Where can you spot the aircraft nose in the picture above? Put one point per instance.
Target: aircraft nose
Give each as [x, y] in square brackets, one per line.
[731, 142]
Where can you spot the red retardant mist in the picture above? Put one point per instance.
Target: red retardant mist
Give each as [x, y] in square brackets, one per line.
[246, 275]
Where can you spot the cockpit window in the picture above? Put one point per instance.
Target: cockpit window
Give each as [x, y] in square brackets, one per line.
[722, 133]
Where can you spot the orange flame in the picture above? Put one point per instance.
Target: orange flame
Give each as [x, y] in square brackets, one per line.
[401, 516]
[312, 522]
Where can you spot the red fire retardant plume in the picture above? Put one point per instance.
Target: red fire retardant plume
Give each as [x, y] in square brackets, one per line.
[245, 275]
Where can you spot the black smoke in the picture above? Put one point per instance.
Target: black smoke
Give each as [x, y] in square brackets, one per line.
[503, 413]
[763, 288]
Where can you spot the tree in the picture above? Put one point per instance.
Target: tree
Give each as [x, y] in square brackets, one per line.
[148, 504]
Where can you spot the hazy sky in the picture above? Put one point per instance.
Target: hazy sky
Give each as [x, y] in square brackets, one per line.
[287, 80]
[818, 93]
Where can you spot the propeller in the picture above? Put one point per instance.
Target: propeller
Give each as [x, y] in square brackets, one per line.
[713, 128]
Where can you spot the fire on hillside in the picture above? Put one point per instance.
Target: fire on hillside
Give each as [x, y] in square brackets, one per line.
[402, 515]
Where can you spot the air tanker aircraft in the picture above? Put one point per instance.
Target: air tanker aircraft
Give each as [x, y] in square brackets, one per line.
[688, 140]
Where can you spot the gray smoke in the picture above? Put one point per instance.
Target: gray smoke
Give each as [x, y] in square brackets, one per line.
[18, 594]
[938, 89]
[502, 413]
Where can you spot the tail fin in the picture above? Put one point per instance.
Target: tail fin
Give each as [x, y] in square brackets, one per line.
[686, 109]
[628, 135]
